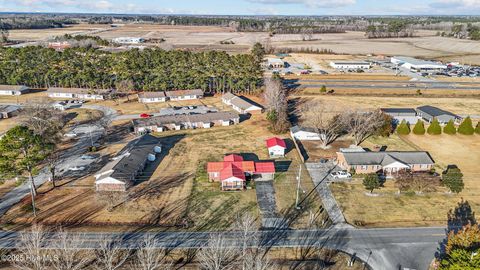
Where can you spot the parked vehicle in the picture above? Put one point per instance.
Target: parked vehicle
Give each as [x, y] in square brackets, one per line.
[77, 168]
[85, 157]
[341, 175]
[145, 115]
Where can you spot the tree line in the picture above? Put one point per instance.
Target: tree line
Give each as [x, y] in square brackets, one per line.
[392, 29]
[34, 22]
[147, 70]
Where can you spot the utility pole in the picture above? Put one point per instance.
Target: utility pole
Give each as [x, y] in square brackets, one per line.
[298, 186]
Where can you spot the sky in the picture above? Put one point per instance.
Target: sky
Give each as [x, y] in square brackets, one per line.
[249, 7]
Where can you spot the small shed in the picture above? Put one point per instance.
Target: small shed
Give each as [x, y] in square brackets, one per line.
[276, 147]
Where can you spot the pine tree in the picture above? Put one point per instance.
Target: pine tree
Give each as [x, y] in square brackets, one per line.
[403, 128]
[419, 128]
[450, 128]
[477, 129]
[434, 128]
[452, 178]
[466, 127]
[371, 182]
[462, 249]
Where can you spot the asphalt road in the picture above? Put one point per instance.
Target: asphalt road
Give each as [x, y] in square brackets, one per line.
[376, 86]
[412, 248]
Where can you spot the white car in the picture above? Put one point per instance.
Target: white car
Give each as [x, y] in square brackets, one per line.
[77, 168]
[340, 175]
[84, 157]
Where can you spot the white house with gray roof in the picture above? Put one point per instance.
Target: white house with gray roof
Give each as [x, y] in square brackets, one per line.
[241, 104]
[13, 90]
[388, 162]
[428, 113]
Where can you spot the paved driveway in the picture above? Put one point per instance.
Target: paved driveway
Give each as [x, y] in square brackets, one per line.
[320, 176]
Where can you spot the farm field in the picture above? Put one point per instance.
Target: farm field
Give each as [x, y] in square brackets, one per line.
[391, 209]
[44, 34]
[174, 194]
[425, 45]
[460, 106]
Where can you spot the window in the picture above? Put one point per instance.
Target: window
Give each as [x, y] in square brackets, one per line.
[364, 167]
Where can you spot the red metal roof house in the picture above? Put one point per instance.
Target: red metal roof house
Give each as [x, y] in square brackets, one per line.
[233, 171]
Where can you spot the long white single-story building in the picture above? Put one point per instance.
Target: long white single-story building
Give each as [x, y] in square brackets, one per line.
[152, 97]
[417, 64]
[13, 90]
[304, 134]
[80, 93]
[350, 65]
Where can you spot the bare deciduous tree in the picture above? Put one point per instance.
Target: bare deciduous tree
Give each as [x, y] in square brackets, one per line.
[110, 255]
[418, 182]
[150, 257]
[325, 119]
[68, 251]
[276, 99]
[32, 256]
[124, 87]
[362, 125]
[217, 255]
[43, 119]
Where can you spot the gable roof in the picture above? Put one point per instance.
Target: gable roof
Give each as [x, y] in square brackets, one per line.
[9, 108]
[20, 88]
[233, 157]
[399, 110]
[158, 94]
[276, 142]
[134, 155]
[296, 129]
[231, 170]
[228, 96]
[434, 111]
[379, 158]
[264, 167]
[179, 93]
[244, 104]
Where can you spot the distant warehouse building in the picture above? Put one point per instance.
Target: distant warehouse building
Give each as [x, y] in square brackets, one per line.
[128, 40]
[417, 65]
[350, 65]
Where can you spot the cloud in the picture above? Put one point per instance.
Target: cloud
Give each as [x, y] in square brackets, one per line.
[308, 3]
[456, 4]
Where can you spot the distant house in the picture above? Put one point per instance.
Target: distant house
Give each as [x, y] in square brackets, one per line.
[152, 97]
[276, 147]
[178, 122]
[121, 173]
[241, 104]
[59, 45]
[428, 113]
[13, 90]
[128, 40]
[233, 171]
[275, 63]
[304, 133]
[400, 114]
[350, 65]
[7, 111]
[185, 94]
[388, 163]
[80, 93]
